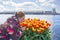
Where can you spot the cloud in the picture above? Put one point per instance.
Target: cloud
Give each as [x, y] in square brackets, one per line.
[2, 8]
[47, 3]
[6, 0]
[23, 6]
[10, 3]
[51, 0]
[29, 6]
[52, 5]
[43, 1]
[4, 5]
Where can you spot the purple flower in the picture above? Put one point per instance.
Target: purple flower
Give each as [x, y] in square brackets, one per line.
[19, 34]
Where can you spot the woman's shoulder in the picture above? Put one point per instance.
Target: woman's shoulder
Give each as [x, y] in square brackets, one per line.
[11, 19]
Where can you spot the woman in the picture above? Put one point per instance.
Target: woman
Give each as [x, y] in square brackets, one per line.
[12, 25]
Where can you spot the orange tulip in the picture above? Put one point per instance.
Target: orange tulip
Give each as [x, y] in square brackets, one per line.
[28, 19]
[36, 25]
[21, 25]
[25, 23]
[38, 19]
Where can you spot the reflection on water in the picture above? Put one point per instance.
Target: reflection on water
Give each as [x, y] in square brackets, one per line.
[56, 28]
[54, 20]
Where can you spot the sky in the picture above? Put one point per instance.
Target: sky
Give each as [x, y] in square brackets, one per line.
[29, 5]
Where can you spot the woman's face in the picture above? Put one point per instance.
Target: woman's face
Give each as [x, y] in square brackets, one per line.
[20, 19]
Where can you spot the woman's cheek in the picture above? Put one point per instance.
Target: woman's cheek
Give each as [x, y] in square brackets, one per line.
[23, 28]
[19, 20]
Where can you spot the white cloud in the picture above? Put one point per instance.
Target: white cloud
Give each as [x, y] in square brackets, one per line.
[52, 5]
[51, 0]
[5, 3]
[11, 3]
[6, 0]
[43, 1]
[26, 6]
[47, 3]
[2, 8]
[23, 6]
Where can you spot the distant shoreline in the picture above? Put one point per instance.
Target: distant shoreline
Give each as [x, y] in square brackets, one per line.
[32, 13]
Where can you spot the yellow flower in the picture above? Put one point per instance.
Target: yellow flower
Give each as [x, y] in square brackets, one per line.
[33, 29]
[28, 25]
[40, 28]
[38, 31]
[27, 29]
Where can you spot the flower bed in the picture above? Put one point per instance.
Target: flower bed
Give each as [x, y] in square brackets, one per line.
[36, 29]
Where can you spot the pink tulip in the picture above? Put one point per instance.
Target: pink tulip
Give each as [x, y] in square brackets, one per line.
[20, 33]
[8, 29]
[11, 32]
[3, 36]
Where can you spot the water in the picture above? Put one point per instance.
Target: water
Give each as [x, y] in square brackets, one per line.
[54, 20]
[3, 18]
[49, 18]
[56, 28]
